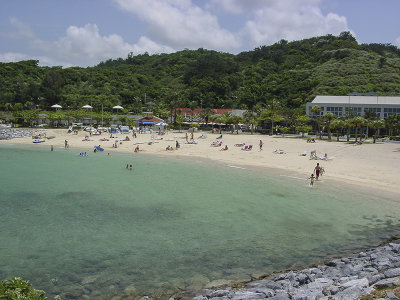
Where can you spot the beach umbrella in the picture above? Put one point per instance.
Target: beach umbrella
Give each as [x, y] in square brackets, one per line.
[87, 106]
[118, 107]
[56, 106]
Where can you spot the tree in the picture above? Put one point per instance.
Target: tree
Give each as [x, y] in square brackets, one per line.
[392, 122]
[357, 122]
[301, 124]
[249, 119]
[338, 126]
[205, 114]
[235, 120]
[123, 119]
[179, 120]
[315, 111]
[327, 119]
[377, 125]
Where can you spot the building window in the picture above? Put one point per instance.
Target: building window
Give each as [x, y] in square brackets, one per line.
[387, 111]
[373, 109]
[335, 110]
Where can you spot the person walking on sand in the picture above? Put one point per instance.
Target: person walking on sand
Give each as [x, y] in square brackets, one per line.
[317, 170]
[261, 144]
[66, 144]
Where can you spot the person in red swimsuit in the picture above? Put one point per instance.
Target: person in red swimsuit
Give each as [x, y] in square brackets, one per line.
[317, 170]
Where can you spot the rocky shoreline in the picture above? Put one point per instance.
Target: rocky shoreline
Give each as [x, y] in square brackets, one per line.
[12, 133]
[342, 278]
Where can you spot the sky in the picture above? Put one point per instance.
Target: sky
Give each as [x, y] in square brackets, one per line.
[85, 32]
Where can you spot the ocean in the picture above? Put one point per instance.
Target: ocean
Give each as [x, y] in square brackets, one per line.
[75, 225]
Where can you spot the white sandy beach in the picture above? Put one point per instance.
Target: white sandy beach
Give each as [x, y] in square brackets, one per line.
[373, 165]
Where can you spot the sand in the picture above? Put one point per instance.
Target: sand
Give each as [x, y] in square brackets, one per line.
[369, 165]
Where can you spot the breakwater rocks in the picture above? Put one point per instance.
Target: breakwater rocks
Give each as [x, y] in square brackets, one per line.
[345, 278]
[12, 133]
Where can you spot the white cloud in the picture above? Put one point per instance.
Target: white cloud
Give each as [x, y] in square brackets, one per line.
[43, 60]
[19, 30]
[397, 42]
[273, 20]
[181, 24]
[85, 46]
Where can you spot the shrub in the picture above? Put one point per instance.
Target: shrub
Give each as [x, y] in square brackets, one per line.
[18, 289]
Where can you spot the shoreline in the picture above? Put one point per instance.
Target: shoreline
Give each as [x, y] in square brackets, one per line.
[371, 166]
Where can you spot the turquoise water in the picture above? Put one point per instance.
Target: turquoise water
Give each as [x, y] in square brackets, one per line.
[88, 224]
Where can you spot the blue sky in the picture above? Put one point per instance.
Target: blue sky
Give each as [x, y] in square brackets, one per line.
[86, 32]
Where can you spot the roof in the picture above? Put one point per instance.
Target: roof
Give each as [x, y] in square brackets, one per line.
[152, 119]
[196, 111]
[384, 100]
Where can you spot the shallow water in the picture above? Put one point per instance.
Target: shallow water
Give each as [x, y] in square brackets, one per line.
[87, 224]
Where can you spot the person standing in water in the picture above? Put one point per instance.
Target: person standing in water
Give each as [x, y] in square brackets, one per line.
[317, 170]
[312, 179]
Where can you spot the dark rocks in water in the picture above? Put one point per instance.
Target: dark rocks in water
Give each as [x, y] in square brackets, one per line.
[346, 278]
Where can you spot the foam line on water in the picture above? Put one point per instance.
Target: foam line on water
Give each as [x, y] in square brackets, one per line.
[237, 167]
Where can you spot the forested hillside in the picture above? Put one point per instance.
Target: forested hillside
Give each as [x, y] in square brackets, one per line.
[289, 72]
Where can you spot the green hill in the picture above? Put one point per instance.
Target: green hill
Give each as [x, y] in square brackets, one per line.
[291, 72]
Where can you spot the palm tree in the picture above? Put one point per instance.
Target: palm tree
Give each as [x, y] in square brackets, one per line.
[274, 109]
[235, 120]
[377, 125]
[315, 111]
[392, 122]
[327, 119]
[338, 125]
[347, 124]
[357, 122]
[205, 114]
[249, 119]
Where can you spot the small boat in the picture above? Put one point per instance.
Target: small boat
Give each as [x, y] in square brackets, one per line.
[38, 141]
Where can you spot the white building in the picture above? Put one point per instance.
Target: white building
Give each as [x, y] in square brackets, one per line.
[383, 106]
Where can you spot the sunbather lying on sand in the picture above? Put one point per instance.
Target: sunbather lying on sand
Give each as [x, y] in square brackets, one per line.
[280, 151]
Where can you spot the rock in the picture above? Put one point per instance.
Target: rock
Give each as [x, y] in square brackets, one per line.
[74, 294]
[267, 292]
[361, 283]
[302, 278]
[219, 293]
[89, 279]
[387, 283]
[391, 295]
[346, 278]
[217, 283]
[200, 298]
[376, 278]
[247, 295]
[392, 273]
[307, 294]
[281, 295]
